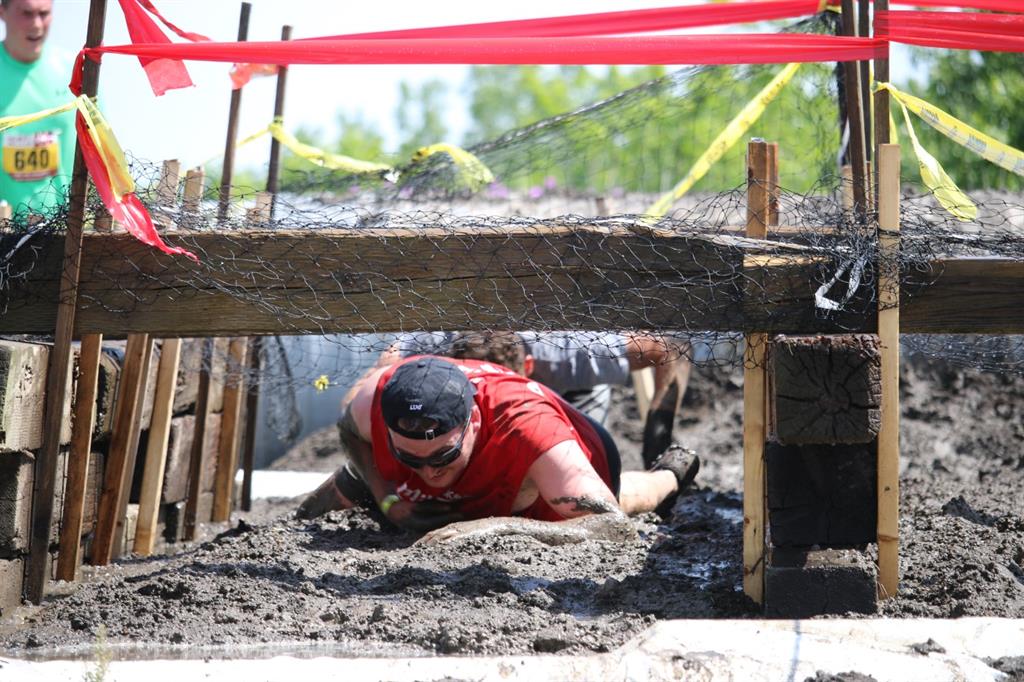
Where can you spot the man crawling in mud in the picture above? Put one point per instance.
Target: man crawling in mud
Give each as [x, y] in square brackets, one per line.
[464, 447]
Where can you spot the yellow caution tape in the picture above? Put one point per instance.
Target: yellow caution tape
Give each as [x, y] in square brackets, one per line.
[725, 140]
[989, 148]
[108, 147]
[20, 120]
[471, 170]
[323, 158]
[935, 178]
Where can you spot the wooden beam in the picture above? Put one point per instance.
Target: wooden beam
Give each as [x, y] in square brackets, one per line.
[134, 437]
[78, 458]
[119, 457]
[252, 398]
[889, 336]
[227, 447]
[351, 281]
[156, 447]
[759, 209]
[63, 330]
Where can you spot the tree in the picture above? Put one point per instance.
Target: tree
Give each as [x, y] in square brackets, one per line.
[983, 89]
[420, 116]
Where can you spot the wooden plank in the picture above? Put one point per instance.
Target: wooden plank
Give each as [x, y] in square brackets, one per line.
[643, 386]
[195, 469]
[234, 106]
[352, 281]
[126, 414]
[759, 193]
[78, 457]
[889, 336]
[227, 447]
[63, 329]
[156, 447]
[134, 436]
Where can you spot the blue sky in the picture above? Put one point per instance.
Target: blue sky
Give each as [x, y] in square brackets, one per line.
[190, 124]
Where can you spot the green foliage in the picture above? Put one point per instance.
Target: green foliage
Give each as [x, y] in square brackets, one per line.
[420, 116]
[983, 89]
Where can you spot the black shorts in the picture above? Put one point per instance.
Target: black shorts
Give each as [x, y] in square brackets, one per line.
[611, 453]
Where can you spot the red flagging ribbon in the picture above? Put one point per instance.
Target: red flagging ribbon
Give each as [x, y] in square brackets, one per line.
[194, 37]
[164, 74]
[958, 31]
[607, 23]
[672, 49]
[129, 211]
[991, 5]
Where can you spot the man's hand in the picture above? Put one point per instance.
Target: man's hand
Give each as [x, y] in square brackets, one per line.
[422, 516]
[614, 527]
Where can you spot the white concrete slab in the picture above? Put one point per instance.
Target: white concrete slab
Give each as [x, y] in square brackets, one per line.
[282, 483]
[671, 650]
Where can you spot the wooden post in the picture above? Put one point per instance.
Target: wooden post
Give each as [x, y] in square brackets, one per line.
[227, 447]
[195, 467]
[193, 190]
[227, 170]
[855, 117]
[119, 458]
[5, 211]
[864, 31]
[881, 97]
[156, 447]
[134, 435]
[78, 458]
[60, 354]
[889, 336]
[273, 170]
[759, 192]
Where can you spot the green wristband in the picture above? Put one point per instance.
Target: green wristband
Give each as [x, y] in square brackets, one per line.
[387, 503]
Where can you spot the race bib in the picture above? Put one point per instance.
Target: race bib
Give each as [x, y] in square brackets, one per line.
[30, 157]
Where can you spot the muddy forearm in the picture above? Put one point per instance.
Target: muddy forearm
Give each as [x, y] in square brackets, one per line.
[360, 453]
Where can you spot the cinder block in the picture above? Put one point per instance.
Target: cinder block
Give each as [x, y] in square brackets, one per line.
[23, 394]
[11, 580]
[802, 584]
[188, 375]
[179, 449]
[825, 389]
[211, 442]
[106, 390]
[822, 494]
[16, 475]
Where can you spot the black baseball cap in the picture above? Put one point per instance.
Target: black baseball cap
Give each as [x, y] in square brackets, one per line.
[429, 389]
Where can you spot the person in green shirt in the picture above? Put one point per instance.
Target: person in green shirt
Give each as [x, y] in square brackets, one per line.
[37, 158]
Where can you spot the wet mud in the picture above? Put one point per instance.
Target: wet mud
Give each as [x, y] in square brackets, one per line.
[349, 583]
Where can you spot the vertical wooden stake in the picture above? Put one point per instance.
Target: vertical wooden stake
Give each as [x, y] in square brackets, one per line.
[134, 435]
[889, 336]
[227, 170]
[78, 458]
[252, 399]
[227, 447]
[273, 171]
[119, 459]
[759, 192]
[156, 447]
[36, 574]
[855, 116]
[195, 467]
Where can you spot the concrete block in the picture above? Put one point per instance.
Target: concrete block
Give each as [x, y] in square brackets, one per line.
[211, 442]
[179, 449]
[16, 476]
[106, 390]
[825, 389]
[128, 526]
[23, 394]
[822, 494]
[802, 584]
[12, 576]
[188, 375]
[93, 490]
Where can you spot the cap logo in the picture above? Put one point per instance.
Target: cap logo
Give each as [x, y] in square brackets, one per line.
[415, 407]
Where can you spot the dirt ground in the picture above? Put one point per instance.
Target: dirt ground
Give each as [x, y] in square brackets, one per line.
[353, 585]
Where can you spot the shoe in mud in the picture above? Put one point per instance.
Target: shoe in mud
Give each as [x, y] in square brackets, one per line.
[684, 464]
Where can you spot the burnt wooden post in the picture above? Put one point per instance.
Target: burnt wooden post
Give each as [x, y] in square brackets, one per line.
[227, 169]
[855, 117]
[60, 355]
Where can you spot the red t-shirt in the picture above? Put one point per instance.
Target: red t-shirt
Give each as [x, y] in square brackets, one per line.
[521, 420]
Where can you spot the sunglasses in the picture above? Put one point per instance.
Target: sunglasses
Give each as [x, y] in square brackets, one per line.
[437, 460]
